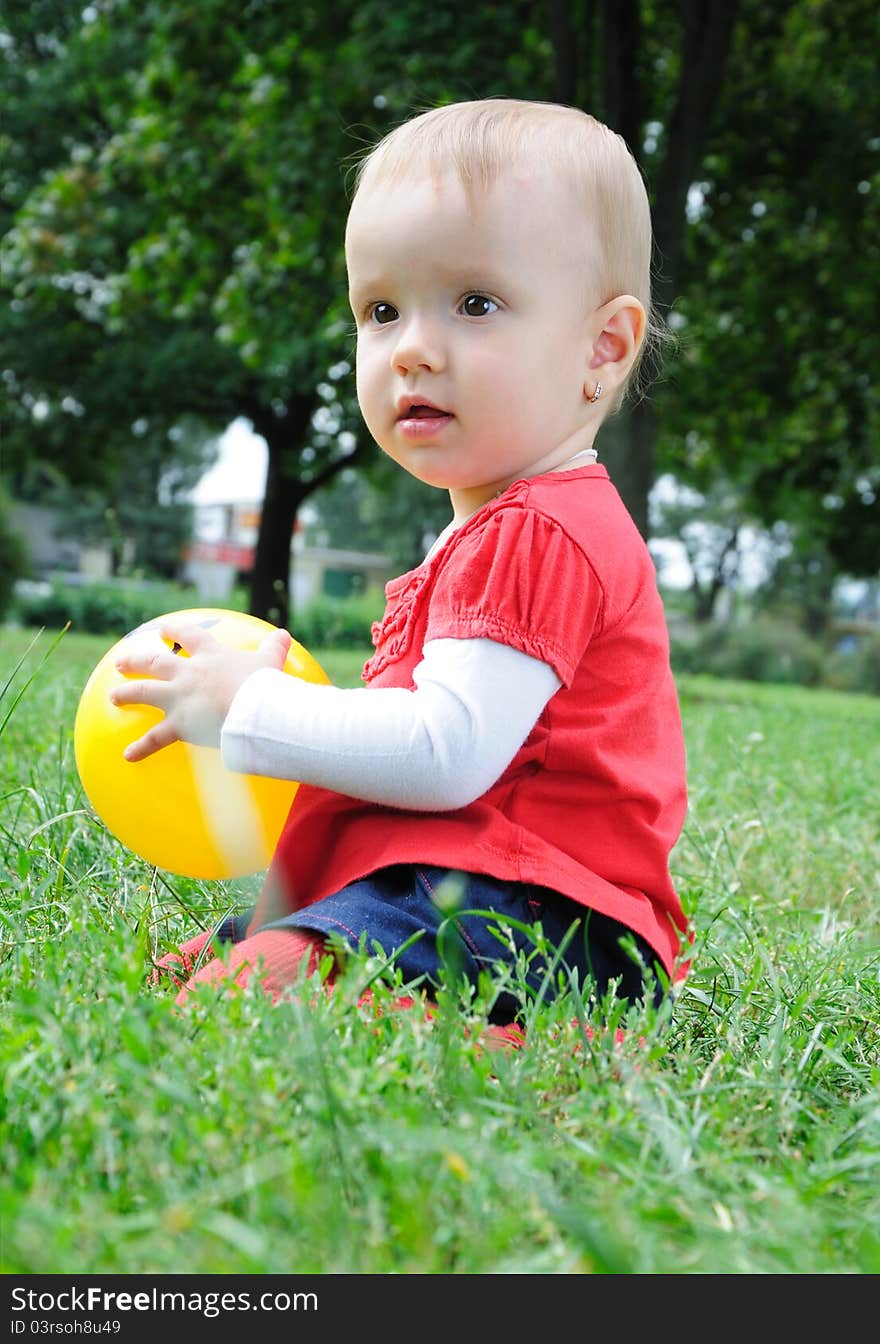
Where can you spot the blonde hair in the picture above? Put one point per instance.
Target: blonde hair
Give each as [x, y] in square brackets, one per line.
[483, 138]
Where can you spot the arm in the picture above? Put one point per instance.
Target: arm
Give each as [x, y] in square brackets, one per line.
[436, 748]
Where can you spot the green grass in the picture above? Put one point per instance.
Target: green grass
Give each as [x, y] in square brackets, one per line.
[741, 1136]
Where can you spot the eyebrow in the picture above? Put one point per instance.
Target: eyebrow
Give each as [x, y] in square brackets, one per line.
[458, 276]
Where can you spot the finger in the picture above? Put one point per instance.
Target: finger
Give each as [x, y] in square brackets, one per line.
[185, 635]
[163, 735]
[151, 692]
[274, 648]
[147, 661]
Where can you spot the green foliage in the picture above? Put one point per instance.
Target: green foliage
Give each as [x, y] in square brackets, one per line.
[800, 584]
[762, 650]
[174, 195]
[775, 382]
[13, 555]
[857, 669]
[140, 514]
[382, 509]
[775, 649]
[135, 1141]
[178, 252]
[101, 607]
[338, 623]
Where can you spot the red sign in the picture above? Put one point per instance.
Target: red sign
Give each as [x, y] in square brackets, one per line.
[222, 553]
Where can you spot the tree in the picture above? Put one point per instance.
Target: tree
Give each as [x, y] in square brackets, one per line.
[183, 254]
[177, 192]
[71, 431]
[13, 555]
[775, 385]
[148, 263]
[800, 586]
[382, 509]
[709, 528]
[142, 513]
[655, 73]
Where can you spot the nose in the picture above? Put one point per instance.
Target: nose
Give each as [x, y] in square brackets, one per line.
[418, 346]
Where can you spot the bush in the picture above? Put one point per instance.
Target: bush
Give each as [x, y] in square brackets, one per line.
[105, 606]
[114, 607]
[858, 670]
[764, 650]
[684, 651]
[13, 557]
[338, 622]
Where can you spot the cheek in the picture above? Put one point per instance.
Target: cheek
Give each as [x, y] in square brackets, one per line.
[364, 374]
[371, 390]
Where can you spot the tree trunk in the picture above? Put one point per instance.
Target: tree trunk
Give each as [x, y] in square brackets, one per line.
[818, 609]
[706, 598]
[285, 437]
[286, 490]
[707, 35]
[563, 38]
[627, 442]
[626, 447]
[621, 94]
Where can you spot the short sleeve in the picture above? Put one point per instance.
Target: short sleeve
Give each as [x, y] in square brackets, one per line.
[518, 578]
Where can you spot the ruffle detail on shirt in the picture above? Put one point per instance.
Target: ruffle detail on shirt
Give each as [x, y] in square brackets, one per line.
[392, 635]
[518, 577]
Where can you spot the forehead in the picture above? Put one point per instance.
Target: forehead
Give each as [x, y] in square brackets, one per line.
[521, 215]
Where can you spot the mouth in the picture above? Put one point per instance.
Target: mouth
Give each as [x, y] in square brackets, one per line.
[410, 409]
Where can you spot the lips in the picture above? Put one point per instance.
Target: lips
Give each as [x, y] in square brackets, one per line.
[422, 412]
[420, 420]
[416, 408]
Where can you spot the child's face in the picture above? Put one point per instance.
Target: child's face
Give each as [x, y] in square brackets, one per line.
[474, 329]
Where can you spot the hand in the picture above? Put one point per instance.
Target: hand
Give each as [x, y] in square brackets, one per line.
[193, 692]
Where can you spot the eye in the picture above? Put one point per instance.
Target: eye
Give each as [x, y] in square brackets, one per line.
[383, 313]
[478, 305]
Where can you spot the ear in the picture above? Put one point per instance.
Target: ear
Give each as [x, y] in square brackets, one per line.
[619, 328]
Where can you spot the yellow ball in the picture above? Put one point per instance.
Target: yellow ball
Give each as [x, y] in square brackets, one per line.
[181, 809]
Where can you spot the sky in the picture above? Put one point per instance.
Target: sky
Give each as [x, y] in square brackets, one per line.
[240, 470]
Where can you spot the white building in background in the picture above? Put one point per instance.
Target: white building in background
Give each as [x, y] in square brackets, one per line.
[227, 503]
[52, 552]
[222, 552]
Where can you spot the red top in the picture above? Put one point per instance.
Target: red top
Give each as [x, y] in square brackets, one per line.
[595, 798]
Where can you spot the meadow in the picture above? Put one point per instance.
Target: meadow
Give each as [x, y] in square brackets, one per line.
[738, 1134]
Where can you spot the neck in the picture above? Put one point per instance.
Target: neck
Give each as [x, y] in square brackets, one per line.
[588, 454]
[465, 506]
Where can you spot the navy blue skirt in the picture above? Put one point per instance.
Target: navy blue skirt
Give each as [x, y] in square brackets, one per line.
[436, 924]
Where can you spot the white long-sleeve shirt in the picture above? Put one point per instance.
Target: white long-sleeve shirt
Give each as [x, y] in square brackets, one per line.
[435, 748]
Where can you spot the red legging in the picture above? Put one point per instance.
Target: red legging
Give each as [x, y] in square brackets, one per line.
[280, 956]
